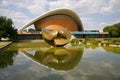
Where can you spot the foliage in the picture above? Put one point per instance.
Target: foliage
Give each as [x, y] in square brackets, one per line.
[75, 42]
[7, 57]
[96, 41]
[112, 49]
[31, 30]
[114, 30]
[115, 41]
[7, 29]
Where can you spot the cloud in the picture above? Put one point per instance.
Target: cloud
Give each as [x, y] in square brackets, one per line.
[84, 7]
[80, 6]
[90, 23]
[18, 18]
[37, 7]
[111, 7]
[23, 11]
[4, 4]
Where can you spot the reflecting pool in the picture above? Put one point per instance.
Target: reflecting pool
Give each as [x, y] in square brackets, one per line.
[40, 61]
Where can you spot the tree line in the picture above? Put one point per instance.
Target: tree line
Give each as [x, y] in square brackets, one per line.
[114, 30]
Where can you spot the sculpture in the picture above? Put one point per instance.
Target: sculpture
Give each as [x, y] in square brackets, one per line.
[56, 36]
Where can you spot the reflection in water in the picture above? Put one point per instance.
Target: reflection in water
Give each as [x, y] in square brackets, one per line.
[91, 46]
[53, 77]
[96, 64]
[112, 49]
[58, 58]
[107, 48]
[7, 57]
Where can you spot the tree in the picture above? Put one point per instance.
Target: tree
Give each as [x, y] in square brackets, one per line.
[31, 30]
[7, 29]
[114, 30]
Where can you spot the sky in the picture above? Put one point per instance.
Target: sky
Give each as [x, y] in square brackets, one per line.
[94, 14]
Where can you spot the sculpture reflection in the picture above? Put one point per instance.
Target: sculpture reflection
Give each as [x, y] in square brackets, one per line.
[58, 58]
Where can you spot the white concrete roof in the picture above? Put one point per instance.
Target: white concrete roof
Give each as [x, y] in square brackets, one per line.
[58, 11]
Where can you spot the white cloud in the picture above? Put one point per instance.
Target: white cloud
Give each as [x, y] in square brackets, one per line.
[103, 24]
[38, 7]
[112, 6]
[4, 4]
[35, 6]
[80, 6]
[112, 22]
[18, 18]
[88, 6]
[89, 23]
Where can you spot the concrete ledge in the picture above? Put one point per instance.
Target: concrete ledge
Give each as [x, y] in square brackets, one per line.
[5, 46]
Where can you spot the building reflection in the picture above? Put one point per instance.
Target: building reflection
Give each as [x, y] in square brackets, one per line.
[58, 58]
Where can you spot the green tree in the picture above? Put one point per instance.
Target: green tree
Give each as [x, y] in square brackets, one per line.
[7, 29]
[31, 30]
[114, 30]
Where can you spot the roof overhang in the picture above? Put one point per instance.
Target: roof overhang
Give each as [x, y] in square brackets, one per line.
[54, 12]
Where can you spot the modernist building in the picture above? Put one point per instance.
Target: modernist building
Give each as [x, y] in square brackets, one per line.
[54, 19]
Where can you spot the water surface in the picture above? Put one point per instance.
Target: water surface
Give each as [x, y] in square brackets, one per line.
[39, 61]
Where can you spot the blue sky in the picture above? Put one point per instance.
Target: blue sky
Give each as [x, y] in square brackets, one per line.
[95, 14]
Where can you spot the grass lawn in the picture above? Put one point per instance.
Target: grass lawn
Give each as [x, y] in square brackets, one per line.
[3, 44]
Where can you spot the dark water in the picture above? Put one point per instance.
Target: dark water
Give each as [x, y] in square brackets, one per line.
[39, 61]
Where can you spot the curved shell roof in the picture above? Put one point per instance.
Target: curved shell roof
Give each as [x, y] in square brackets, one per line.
[54, 12]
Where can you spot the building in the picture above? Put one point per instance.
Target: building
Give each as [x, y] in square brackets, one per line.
[55, 19]
[90, 34]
